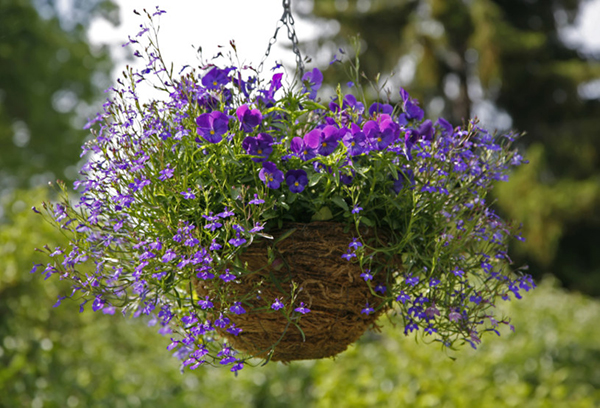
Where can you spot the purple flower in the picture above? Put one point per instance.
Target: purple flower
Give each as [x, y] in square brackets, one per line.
[411, 108]
[226, 213]
[305, 148]
[367, 310]
[378, 108]
[412, 280]
[325, 139]
[213, 226]
[206, 303]
[296, 180]
[447, 128]
[257, 227]
[355, 140]
[355, 244]
[169, 256]
[166, 173]
[410, 327]
[277, 304]
[98, 304]
[475, 299]
[227, 276]
[248, 118]
[222, 321]
[216, 77]
[312, 82]
[356, 209]
[237, 241]
[256, 200]
[366, 275]
[237, 308]
[382, 132]
[349, 255]
[380, 288]
[260, 146]
[212, 126]
[271, 175]
[302, 309]
[402, 297]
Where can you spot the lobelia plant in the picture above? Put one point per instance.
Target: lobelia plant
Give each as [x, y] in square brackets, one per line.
[221, 210]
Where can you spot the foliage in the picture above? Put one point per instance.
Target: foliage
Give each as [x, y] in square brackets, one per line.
[57, 357]
[175, 190]
[47, 76]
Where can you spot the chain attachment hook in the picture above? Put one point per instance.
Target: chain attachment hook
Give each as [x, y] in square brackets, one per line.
[286, 20]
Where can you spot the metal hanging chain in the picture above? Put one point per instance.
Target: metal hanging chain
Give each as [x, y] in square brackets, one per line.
[286, 20]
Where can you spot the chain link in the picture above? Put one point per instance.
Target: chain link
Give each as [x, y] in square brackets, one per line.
[286, 20]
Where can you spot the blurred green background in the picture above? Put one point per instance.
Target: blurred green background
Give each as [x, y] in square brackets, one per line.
[505, 61]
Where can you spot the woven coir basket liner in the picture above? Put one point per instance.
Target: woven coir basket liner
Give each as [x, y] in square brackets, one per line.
[331, 287]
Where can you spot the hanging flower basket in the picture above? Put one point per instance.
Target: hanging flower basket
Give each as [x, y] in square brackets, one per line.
[331, 292]
[248, 218]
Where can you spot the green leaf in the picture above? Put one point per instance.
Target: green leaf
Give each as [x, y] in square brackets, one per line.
[366, 221]
[314, 105]
[340, 202]
[314, 178]
[323, 214]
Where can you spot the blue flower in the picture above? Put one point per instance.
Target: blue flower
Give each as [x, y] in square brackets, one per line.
[206, 303]
[277, 304]
[402, 297]
[367, 310]
[355, 244]
[256, 200]
[237, 241]
[367, 275]
[237, 308]
[189, 194]
[349, 255]
[302, 309]
[166, 173]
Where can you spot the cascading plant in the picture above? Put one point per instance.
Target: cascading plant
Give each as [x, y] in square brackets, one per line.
[221, 208]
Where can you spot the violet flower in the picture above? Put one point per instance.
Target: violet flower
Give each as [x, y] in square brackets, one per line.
[296, 180]
[216, 77]
[382, 132]
[355, 140]
[248, 118]
[212, 126]
[305, 148]
[325, 139]
[271, 175]
[260, 146]
[312, 82]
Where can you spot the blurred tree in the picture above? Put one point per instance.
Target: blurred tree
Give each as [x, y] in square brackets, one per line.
[58, 357]
[506, 62]
[48, 73]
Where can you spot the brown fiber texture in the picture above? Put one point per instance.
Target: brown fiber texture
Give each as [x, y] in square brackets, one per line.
[330, 286]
